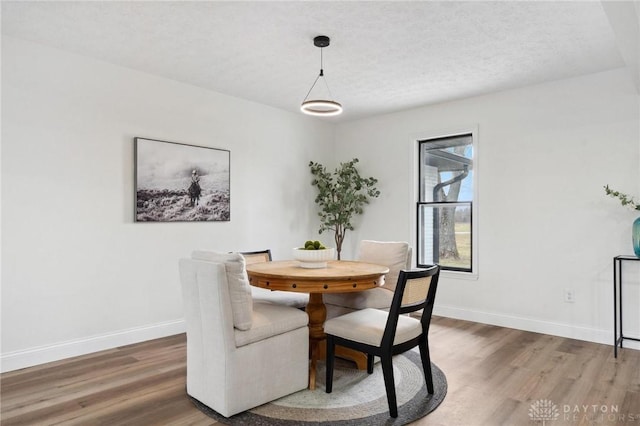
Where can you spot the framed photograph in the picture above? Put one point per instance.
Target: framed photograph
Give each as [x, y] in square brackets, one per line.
[176, 182]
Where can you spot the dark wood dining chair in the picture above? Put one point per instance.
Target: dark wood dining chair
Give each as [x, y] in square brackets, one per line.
[385, 334]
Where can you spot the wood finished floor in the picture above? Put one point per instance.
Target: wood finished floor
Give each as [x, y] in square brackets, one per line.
[494, 374]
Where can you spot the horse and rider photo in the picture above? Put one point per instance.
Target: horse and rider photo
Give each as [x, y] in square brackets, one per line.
[181, 183]
[194, 188]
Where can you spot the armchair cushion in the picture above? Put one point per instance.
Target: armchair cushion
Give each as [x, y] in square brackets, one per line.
[239, 288]
[270, 319]
[286, 298]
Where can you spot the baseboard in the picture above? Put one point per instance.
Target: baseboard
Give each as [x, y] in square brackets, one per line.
[39, 355]
[35, 356]
[537, 326]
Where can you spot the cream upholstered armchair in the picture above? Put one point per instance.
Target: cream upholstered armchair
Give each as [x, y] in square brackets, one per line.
[240, 354]
[395, 255]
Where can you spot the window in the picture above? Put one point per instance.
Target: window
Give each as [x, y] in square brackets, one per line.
[445, 233]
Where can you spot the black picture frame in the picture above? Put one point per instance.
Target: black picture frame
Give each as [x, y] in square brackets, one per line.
[177, 182]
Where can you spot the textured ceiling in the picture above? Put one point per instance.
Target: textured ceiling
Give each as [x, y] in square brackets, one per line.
[384, 56]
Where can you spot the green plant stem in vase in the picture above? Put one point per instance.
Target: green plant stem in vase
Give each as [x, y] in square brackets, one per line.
[628, 201]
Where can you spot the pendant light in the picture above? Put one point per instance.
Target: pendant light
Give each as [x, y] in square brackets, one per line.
[321, 107]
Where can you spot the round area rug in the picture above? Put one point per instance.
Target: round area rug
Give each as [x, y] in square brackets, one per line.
[358, 398]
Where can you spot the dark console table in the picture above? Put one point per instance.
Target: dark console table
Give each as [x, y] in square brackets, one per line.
[617, 301]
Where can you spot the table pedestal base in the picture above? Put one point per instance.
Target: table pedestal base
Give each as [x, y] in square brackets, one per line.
[319, 352]
[317, 312]
[359, 358]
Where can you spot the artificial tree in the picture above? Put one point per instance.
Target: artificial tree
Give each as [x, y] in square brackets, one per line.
[341, 195]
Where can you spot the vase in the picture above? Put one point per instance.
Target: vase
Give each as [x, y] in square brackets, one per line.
[635, 236]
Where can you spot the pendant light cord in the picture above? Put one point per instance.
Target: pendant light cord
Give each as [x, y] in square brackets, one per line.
[312, 86]
[316, 80]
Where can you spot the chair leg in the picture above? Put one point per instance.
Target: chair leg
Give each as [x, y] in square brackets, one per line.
[389, 384]
[369, 363]
[426, 365]
[331, 347]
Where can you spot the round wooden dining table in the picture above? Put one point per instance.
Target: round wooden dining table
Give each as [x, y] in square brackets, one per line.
[339, 276]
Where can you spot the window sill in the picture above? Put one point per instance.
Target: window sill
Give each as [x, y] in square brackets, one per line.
[457, 275]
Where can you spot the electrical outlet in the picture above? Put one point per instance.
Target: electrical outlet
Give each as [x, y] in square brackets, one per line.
[569, 295]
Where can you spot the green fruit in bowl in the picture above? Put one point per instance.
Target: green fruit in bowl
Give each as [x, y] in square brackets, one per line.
[314, 245]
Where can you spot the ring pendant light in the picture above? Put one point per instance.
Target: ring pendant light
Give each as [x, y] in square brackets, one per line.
[321, 107]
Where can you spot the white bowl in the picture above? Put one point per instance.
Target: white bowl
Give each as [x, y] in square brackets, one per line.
[312, 259]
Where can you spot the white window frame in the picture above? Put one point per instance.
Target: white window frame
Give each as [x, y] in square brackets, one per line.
[415, 188]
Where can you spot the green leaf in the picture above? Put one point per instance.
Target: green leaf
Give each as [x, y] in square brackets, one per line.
[625, 200]
[341, 195]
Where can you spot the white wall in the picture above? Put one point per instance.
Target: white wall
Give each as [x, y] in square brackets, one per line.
[78, 274]
[545, 224]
